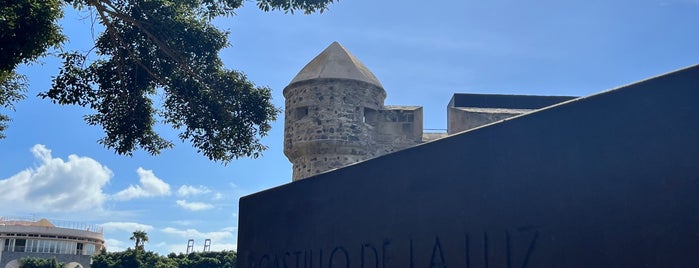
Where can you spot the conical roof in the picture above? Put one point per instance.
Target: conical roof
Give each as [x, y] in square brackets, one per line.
[44, 223]
[336, 62]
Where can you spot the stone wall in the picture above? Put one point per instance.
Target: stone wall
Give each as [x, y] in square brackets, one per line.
[469, 111]
[395, 128]
[325, 125]
[462, 119]
[332, 123]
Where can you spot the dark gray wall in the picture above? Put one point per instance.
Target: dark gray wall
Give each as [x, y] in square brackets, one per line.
[611, 180]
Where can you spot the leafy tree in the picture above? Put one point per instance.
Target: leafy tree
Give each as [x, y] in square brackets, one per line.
[140, 237]
[131, 258]
[165, 48]
[140, 259]
[40, 263]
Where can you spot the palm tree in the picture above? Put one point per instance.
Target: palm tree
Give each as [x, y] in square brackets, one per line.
[141, 237]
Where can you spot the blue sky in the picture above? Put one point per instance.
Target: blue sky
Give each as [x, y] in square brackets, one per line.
[51, 165]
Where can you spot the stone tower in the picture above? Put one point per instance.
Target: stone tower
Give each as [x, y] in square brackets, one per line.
[325, 124]
[335, 115]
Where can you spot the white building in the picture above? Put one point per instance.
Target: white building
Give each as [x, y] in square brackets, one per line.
[69, 242]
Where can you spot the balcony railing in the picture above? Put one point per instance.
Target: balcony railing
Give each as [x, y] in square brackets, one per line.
[19, 221]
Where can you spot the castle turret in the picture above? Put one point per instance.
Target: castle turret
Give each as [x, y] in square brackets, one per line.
[327, 104]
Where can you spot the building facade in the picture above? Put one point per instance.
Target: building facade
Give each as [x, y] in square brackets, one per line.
[335, 115]
[70, 243]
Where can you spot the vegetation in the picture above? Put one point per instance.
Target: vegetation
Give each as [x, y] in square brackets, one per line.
[140, 237]
[163, 49]
[134, 258]
[40, 263]
[141, 259]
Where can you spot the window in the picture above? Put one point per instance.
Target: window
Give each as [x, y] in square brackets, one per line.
[31, 245]
[43, 247]
[90, 249]
[20, 245]
[301, 112]
[369, 116]
[9, 244]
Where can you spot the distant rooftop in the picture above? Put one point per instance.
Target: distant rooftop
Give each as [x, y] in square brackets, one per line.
[14, 221]
[336, 62]
[462, 100]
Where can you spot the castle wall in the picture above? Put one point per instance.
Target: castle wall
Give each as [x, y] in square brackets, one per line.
[395, 128]
[335, 115]
[468, 111]
[461, 119]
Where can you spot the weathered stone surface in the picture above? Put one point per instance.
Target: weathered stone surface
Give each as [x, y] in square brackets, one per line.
[335, 116]
[324, 125]
[396, 128]
[336, 62]
[609, 180]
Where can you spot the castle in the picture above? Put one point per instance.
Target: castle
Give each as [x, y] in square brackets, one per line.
[335, 115]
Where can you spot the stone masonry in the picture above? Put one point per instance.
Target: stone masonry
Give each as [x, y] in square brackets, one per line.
[335, 116]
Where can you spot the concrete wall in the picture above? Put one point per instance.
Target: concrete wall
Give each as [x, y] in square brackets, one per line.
[468, 111]
[395, 128]
[609, 180]
[461, 119]
[8, 257]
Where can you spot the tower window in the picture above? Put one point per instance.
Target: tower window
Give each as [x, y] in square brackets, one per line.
[301, 112]
[369, 116]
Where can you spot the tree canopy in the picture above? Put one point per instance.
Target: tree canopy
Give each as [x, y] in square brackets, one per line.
[40, 263]
[131, 258]
[164, 48]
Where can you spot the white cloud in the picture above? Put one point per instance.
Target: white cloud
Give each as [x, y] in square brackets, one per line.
[150, 186]
[230, 229]
[223, 246]
[114, 245]
[218, 196]
[125, 226]
[194, 206]
[56, 185]
[220, 240]
[184, 222]
[199, 247]
[188, 190]
[197, 235]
